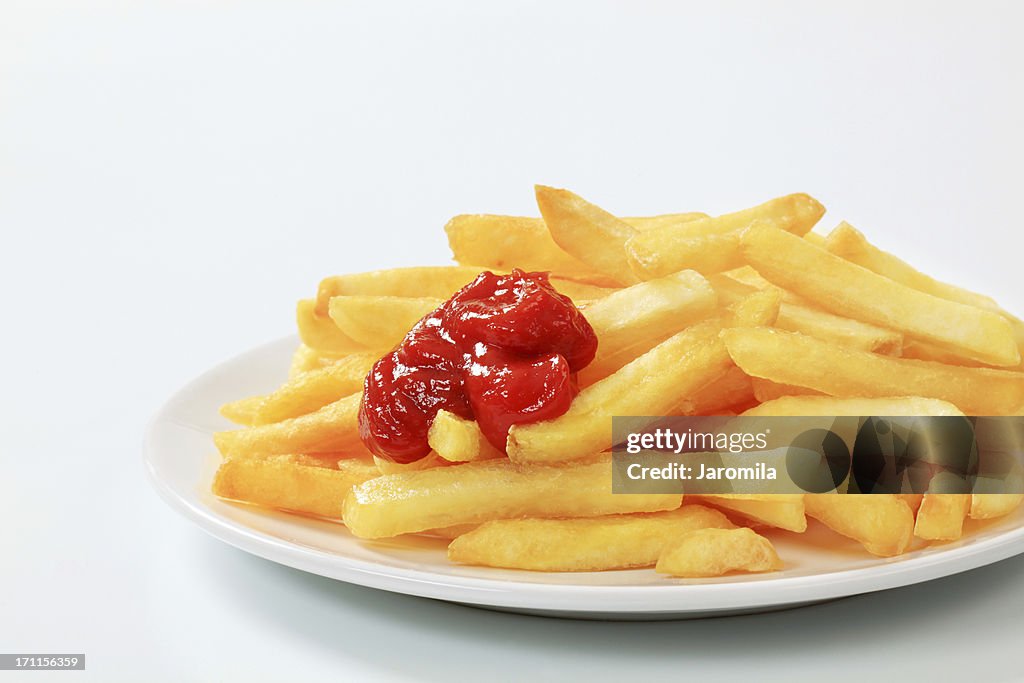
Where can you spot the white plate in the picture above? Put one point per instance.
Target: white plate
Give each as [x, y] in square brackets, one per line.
[180, 459]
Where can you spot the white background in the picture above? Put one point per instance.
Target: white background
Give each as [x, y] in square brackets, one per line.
[173, 176]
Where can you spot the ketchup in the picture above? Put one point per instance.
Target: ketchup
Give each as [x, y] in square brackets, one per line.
[505, 350]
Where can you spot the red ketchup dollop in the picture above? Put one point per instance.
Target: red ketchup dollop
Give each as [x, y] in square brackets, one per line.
[504, 350]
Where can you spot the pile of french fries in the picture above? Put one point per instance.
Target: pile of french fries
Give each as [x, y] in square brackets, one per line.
[745, 313]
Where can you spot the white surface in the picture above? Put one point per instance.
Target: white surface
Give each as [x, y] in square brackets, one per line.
[180, 460]
[174, 175]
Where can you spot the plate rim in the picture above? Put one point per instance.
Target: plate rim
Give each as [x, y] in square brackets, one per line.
[671, 598]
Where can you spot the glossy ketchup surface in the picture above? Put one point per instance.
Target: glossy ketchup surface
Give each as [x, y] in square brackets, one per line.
[504, 350]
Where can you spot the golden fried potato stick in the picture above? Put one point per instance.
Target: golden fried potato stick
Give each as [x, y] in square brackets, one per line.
[581, 545]
[289, 482]
[321, 334]
[991, 505]
[883, 524]
[588, 232]
[850, 290]
[438, 282]
[634, 320]
[243, 411]
[379, 322]
[791, 358]
[730, 391]
[712, 245]
[828, 406]
[797, 316]
[941, 516]
[714, 552]
[766, 390]
[332, 428]
[780, 510]
[477, 492]
[305, 393]
[657, 383]
[849, 243]
[305, 359]
[459, 440]
[506, 242]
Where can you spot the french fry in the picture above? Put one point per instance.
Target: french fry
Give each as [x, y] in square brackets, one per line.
[321, 334]
[828, 405]
[852, 291]
[941, 516]
[767, 390]
[305, 393]
[379, 322]
[438, 282]
[796, 316]
[883, 524]
[714, 552]
[506, 242]
[477, 492]
[850, 244]
[780, 510]
[991, 505]
[243, 411]
[459, 440]
[712, 245]
[731, 390]
[791, 358]
[653, 384]
[332, 428]
[289, 482]
[581, 545]
[305, 359]
[588, 232]
[634, 320]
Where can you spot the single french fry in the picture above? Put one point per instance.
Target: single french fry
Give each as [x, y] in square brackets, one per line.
[714, 552]
[588, 232]
[991, 505]
[731, 390]
[792, 358]
[581, 545]
[321, 334]
[796, 315]
[438, 282]
[379, 322]
[506, 242]
[431, 460]
[634, 320]
[659, 221]
[883, 524]
[828, 405]
[712, 245]
[314, 389]
[459, 440]
[477, 492]
[847, 289]
[941, 516]
[333, 428]
[849, 243]
[653, 384]
[305, 359]
[838, 330]
[243, 411]
[293, 483]
[767, 390]
[780, 510]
